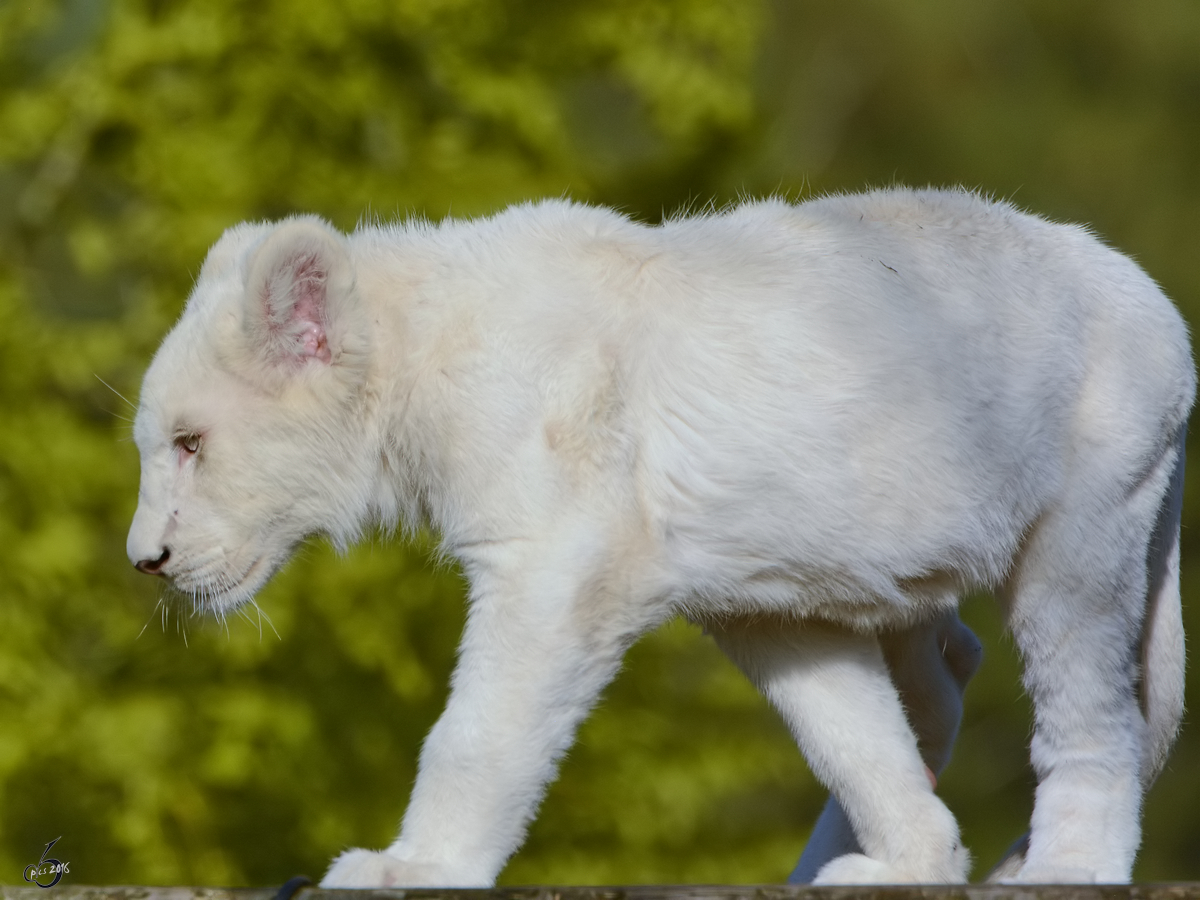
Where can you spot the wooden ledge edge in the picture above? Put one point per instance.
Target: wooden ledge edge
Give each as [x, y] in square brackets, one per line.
[1165, 891]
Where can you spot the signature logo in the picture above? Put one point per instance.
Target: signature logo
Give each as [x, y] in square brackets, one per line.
[47, 868]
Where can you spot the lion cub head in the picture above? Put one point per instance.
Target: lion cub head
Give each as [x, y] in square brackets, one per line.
[251, 425]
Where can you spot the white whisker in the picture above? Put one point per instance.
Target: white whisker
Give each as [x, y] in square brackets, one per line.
[132, 406]
[262, 615]
[157, 606]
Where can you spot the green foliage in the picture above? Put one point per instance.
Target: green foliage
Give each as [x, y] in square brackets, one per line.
[132, 132]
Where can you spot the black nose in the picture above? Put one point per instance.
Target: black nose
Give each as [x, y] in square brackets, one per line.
[153, 566]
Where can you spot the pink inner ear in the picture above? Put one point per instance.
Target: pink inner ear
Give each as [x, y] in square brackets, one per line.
[313, 342]
[295, 306]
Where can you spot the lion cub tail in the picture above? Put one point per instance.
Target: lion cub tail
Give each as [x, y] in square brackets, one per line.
[1162, 683]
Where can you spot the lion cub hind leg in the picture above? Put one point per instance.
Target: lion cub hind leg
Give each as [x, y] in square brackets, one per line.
[1077, 600]
[833, 689]
[930, 663]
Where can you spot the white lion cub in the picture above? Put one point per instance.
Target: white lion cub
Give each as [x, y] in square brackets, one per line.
[800, 425]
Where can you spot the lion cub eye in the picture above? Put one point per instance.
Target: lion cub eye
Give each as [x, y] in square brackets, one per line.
[189, 442]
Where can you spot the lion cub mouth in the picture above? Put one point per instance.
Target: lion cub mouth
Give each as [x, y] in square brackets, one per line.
[213, 589]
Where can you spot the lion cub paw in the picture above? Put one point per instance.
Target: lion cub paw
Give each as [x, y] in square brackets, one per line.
[857, 868]
[376, 869]
[1059, 874]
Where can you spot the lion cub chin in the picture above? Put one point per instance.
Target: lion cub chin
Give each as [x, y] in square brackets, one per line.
[802, 426]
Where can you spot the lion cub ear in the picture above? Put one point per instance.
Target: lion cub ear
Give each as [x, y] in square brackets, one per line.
[298, 283]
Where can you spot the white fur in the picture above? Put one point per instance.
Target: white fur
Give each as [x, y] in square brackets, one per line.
[799, 425]
[930, 665]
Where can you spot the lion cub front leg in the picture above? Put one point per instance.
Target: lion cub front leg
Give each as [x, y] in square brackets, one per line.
[834, 690]
[529, 670]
